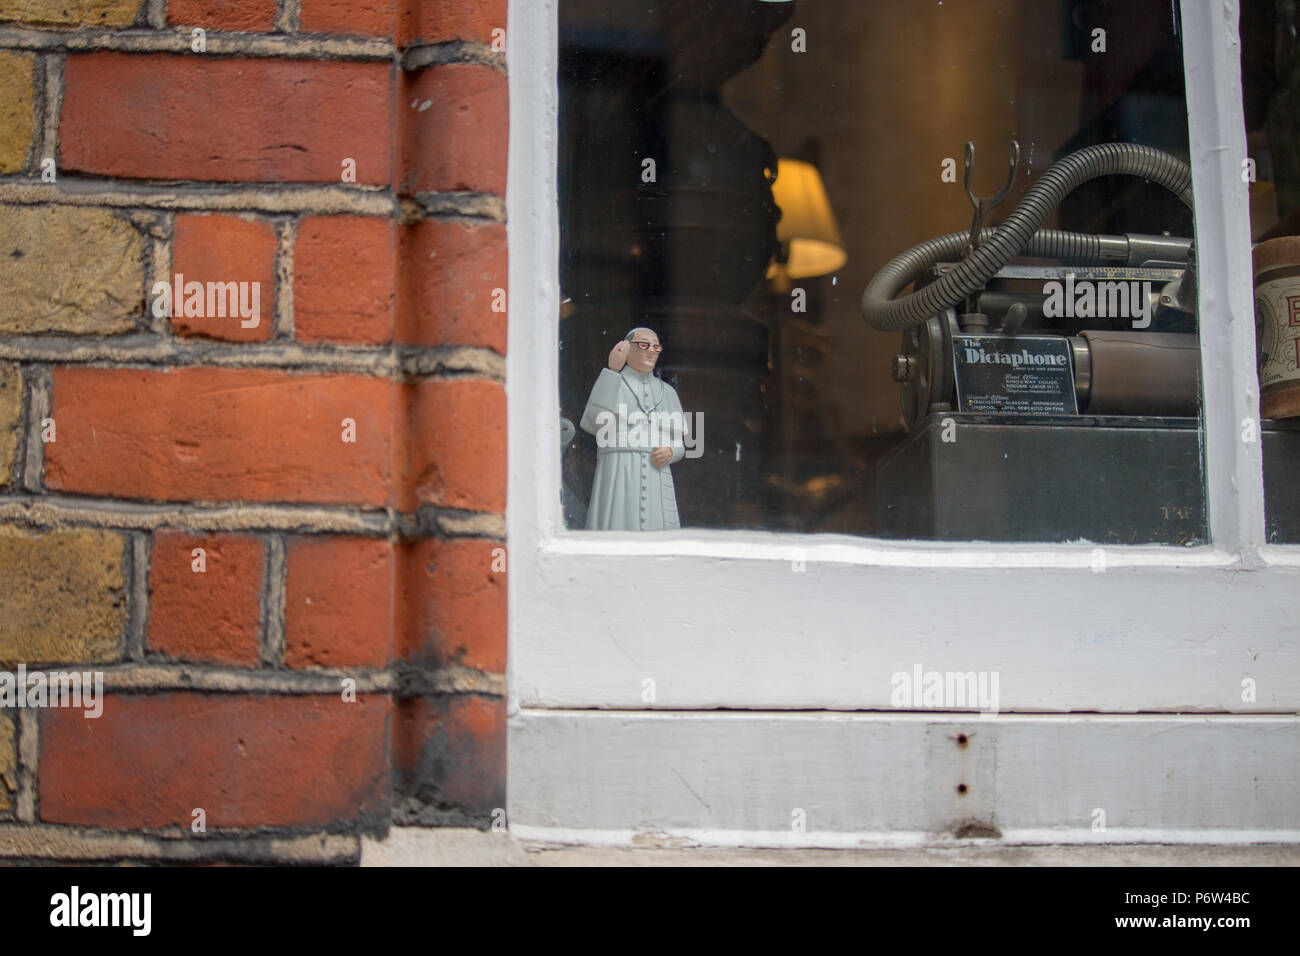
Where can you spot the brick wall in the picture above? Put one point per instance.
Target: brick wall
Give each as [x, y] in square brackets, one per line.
[278, 535]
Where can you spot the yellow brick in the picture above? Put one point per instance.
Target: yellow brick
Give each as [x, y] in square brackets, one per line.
[11, 405]
[17, 122]
[97, 13]
[63, 595]
[68, 269]
[8, 764]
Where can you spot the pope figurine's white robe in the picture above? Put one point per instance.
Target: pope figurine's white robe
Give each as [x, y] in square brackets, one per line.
[630, 493]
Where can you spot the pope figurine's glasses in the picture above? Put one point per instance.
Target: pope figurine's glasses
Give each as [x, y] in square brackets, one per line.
[643, 346]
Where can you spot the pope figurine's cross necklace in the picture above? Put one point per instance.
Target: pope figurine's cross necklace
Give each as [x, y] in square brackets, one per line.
[644, 410]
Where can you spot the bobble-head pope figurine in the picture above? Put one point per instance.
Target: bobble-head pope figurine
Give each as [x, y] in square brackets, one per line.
[640, 428]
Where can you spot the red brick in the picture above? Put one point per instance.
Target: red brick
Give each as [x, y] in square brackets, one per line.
[225, 249]
[437, 21]
[450, 274]
[214, 434]
[455, 445]
[338, 602]
[450, 752]
[453, 604]
[457, 142]
[227, 120]
[251, 15]
[212, 615]
[344, 273]
[374, 19]
[247, 761]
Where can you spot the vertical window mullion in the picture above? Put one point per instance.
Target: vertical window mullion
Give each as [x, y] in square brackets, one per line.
[532, 212]
[1217, 131]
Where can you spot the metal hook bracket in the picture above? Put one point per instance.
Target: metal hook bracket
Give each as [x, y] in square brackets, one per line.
[983, 205]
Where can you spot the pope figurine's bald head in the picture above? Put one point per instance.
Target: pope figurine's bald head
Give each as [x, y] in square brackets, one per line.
[645, 350]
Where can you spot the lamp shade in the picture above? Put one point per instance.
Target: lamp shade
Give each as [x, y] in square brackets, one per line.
[807, 230]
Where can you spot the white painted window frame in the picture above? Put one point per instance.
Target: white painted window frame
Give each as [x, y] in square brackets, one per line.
[702, 619]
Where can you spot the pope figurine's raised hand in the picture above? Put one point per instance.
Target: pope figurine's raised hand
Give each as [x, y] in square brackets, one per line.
[640, 430]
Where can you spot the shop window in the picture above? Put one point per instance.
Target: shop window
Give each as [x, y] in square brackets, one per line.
[799, 578]
[733, 174]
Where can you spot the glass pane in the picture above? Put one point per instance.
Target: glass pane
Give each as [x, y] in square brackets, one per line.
[735, 173]
[1270, 74]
